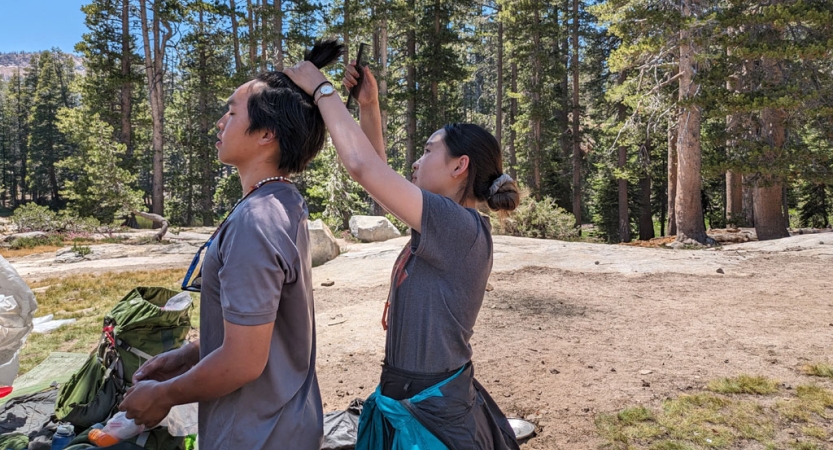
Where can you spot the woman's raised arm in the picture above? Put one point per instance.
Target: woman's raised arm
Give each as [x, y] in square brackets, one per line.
[358, 154]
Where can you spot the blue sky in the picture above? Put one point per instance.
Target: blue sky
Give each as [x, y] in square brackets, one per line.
[33, 25]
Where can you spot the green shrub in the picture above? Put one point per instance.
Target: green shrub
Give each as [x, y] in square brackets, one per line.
[32, 242]
[69, 222]
[400, 225]
[81, 250]
[33, 217]
[537, 219]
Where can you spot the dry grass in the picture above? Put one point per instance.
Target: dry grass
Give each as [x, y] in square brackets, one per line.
[17, 253]
[737, 413]
[819, 370]
[87, 298]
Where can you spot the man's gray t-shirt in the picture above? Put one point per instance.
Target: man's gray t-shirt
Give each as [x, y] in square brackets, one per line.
[256, 271]
[437, 288]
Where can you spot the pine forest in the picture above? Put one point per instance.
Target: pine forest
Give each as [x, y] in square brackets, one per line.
[620, 119]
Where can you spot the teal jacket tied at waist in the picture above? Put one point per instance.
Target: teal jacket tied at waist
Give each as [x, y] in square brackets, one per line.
[456, 413]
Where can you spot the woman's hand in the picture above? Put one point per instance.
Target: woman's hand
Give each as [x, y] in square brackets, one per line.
[306, 76]
[369, 91]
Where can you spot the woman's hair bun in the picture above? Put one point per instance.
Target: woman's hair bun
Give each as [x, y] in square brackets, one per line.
[503, 194]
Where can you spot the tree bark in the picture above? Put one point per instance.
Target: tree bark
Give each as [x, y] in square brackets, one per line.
[382, 57]
[154, 61]
[646, 217]
[672, 179]
[734, 180]
[436, 118]
[252, 35]
[513, 115]
[624, 217]
[157, 220]
[235, 39]
[380, 53]
[536, 99]
[206, 157]
[264, 35]
[769, 213]
[127, 84]
[734, 199]
[410, 109]
[564, 120]
[748, 201]
[689, 207]
[278, 35]
[499, 93]
[576, 131]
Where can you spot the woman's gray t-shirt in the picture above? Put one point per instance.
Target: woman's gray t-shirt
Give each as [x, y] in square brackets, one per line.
[257, 271]
[437, 288]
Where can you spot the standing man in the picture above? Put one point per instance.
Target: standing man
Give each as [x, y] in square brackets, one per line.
[253, 369]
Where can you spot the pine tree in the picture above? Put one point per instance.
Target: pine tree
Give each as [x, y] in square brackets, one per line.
[47, 144]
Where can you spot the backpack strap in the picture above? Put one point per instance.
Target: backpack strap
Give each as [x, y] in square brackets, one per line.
[125, 346]
[143, 439]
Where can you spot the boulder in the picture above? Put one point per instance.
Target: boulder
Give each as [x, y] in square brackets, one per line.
[30, 234]
[372, 228]
[323, 245]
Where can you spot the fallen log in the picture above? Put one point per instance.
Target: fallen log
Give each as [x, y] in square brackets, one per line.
[157, 219]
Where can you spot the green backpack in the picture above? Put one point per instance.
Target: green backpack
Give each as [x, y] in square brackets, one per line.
[136, 329]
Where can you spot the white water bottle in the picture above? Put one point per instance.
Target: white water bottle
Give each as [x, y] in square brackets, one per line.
[178, 302]
[116, 430]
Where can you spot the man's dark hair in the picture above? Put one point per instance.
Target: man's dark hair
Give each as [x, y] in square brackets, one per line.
[289, 113]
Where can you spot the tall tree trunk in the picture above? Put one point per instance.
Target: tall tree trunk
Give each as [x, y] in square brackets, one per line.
[646, 217]
[513, 118]
[672, 179]
[734, 199]
[689, 207]
[576, 131]
[380, 53]
[748, 200]
[499, 93]
[206, 157]
[564, 120]
[734, 180]
[346, 35]
[410, 109]
[264, 35]
[436, 118]
[127, 84]
[382, 57]
[769, 213]
[235, 39]
[252, 23]
[154, 61]
[786, 205]
[536, 99]
[624, 217]
[24, 148]
[278, 35]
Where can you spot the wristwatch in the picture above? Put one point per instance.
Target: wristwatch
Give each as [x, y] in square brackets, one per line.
[326, 89]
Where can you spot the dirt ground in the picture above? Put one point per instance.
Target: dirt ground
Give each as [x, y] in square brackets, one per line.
[563, 338]
[571, 330]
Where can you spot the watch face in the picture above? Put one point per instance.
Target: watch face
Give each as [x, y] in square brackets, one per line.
[327, 90]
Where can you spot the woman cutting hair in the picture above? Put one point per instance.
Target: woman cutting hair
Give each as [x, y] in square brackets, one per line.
[438, 280]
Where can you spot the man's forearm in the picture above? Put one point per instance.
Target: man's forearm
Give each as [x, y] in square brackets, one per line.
[213, 377]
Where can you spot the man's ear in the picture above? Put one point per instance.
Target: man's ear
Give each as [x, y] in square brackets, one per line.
[461, 167]
[267, 137]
